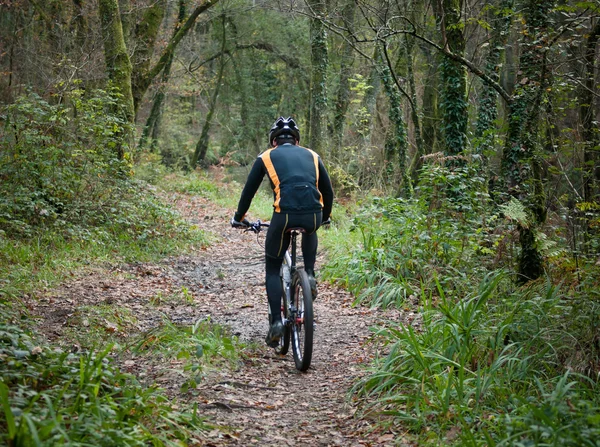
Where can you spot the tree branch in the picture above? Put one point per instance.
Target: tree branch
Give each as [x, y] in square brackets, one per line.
[290, 61]
[154, 71]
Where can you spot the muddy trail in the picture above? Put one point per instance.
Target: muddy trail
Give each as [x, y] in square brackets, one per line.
[262, 401]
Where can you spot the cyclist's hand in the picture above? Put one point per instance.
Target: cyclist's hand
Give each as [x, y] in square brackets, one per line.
[326, 223]
[243, 224]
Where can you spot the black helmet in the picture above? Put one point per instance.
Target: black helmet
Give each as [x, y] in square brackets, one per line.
[282, 127]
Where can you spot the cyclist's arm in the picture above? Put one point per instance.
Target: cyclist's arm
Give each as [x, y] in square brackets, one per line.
[326, 190]
[252, 184]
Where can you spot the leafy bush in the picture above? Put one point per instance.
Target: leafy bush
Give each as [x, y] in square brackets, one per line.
[65, 196]
[442, 232]
[51, 397]
[59, 165]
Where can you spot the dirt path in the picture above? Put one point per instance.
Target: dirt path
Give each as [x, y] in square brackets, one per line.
[265, 401]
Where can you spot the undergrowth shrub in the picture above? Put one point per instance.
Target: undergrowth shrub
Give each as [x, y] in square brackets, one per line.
[507, 367]
[443, 232]
[53, 397]
[66, 197]
[59, 164]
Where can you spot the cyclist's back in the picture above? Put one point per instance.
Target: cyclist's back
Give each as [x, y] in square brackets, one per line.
[294, 175]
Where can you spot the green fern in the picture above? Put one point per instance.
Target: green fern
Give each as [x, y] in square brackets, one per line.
[515, 210]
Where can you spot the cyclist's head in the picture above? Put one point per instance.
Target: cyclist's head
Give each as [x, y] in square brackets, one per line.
[284, 130]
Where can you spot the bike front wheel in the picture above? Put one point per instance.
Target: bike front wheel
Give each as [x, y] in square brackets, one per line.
[302, 321]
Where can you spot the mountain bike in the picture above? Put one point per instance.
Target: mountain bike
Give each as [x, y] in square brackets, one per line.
[297, 303]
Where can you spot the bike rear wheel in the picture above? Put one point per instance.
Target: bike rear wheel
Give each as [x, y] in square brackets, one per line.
[302, 321]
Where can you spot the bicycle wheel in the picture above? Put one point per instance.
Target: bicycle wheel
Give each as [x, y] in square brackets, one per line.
[302, 321]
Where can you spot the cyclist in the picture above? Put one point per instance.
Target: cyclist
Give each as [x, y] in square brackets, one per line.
[303, 198]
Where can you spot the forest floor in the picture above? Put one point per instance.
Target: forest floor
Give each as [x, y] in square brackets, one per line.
[263, 399]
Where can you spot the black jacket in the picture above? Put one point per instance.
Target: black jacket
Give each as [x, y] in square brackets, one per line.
[298, 178]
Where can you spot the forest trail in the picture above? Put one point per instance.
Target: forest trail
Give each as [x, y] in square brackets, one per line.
[264, 401]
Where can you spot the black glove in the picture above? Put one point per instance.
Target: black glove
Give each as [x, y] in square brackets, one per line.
[243, 224]
[326, 222]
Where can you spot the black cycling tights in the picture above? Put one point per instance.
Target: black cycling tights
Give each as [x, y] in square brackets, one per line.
[276, 244]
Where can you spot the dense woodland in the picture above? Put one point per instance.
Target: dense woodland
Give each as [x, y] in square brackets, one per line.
[462, 138]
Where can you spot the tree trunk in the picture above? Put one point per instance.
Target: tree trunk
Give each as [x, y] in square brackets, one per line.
[125, 15]
[145, 39]
[144, 81]
[152, 127]
[79, 23]
[414, 110]
[454, 79]
[396, 141]
[587, 110]
[202, 145]
[430, 106]
[343, 94]
[521, 166]
[318, 84]
[488, 103]
[117, 60]
[370, 101]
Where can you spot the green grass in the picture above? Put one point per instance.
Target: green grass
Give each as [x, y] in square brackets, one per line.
[100, 326]
[54, 397]
[499, 364]
[486, 363]
[200, 346]
[226, 195]
[49, 257]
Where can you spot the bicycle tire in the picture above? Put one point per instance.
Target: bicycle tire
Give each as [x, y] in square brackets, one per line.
[302, 329]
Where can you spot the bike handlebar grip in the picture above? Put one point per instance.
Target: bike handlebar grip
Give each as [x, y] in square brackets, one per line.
[236, 224]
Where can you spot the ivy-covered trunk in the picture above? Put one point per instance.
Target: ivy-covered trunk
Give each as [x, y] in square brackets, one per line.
[521, 164]
[396, 140]
[118, 64]
[500, 19]
[318, 84]
[343, 93]
[454, 78]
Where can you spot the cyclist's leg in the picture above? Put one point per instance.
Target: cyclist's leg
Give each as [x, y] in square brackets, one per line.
[273, 285]
[276, 243]
[310, 241]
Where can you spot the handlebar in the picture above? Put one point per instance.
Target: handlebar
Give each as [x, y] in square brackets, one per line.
[255, 227]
